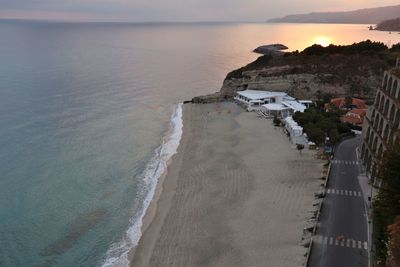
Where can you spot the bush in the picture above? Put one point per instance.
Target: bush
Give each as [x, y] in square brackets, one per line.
[395, 48]
[319, 124]
[365, 48]
[259, 63]
[387, 202]
[276, 121]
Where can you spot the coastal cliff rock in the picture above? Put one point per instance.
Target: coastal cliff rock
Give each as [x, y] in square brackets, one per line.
[389, 25]
[354, 70]
[216, 97]
[273, 49]
[301, 83]
[360, 16]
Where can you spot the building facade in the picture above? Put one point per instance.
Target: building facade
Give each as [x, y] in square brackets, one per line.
[382, 124]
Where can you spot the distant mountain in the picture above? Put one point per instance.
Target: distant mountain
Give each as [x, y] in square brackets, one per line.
[389, 25]
[361, 16]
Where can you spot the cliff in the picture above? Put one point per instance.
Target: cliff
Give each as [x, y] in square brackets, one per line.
[337, 70]
[389, 25]
[361, 16]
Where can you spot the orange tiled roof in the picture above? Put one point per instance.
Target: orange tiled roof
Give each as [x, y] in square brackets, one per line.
[355, 116]
[340, 102]
[359, 112]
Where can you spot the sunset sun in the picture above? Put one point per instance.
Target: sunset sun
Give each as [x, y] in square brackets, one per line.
[322, 40]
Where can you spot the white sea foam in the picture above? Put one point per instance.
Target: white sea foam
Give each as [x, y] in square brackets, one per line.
[117, 255]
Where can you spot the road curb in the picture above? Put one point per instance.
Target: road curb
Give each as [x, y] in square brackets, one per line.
[309, 251]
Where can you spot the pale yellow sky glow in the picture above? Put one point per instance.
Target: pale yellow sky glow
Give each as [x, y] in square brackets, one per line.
[175, 10]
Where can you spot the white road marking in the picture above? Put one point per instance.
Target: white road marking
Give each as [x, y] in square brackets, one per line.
[344, 162]
[342, 242]
[343, 192]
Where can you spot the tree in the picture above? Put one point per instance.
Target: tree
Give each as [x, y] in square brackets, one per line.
[387, 202]
[394, 244]
[277, 121]
[300, 147]
[348, 102]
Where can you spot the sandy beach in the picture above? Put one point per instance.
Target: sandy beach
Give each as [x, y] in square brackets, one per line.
[237, 193]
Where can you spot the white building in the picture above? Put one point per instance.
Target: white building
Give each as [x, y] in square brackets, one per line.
[271, 104]
[274, 109]
[283, 109]
[307, 103]
[254, 99]
[295, 132]
[279, 104]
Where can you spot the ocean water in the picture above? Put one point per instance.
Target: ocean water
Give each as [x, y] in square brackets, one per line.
[90, 114]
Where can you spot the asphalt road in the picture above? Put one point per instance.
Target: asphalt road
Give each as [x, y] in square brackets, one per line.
[342, 236]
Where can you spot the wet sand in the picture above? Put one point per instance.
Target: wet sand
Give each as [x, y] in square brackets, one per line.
[237, 193]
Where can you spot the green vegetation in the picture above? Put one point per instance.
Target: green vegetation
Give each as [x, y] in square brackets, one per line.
[365, 47]
[318, 125]
[259, 63]
[300, 147]
[277, 121]
[395, 48]
[344, 61]
[387, 202]
[355, 69]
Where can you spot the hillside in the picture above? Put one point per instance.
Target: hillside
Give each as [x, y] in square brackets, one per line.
[361, 16]
[389, 25]
[354, 70]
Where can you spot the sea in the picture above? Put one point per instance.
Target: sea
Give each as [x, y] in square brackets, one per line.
[90, 113]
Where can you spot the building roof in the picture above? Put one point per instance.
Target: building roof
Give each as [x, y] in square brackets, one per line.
[256, 94]
[306, 101]
[276, 107]
[291, 122]
[340, 102]
[296, 106]
[355, 116]
[289, 98]
[359, 112]
[352, 120]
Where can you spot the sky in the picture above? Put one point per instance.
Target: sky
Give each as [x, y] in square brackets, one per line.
[174, 10]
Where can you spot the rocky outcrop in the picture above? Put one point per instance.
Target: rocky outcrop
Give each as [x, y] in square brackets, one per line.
[389, 25]
[212, 98]
[273, 49]
[354, 70]
[301, 85]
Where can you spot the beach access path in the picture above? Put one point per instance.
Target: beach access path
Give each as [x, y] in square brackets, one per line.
[237, 193]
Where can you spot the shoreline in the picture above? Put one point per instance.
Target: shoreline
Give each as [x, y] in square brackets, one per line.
[121, 253]
[179, 205]
[156, 207]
